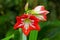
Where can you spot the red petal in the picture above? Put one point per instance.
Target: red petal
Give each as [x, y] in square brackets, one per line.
[18, 18]
[26, 31]
[45, 17]
[16, 26]
[42, 8]
[34, 18]
[31, 28]
[24, 16]
[37, 27]
[45, 12]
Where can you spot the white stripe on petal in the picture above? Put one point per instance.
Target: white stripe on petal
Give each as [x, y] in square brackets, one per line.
[38, 8]
[43, 12]
[40, 17]
[22, 19]
[20, 25]
[26, 25]
[32, 25]
[32, 20]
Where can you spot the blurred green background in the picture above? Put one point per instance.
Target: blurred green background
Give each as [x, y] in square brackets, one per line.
[9, 9]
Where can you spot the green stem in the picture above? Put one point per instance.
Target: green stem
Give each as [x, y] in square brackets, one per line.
[24, 37]
[20, 30]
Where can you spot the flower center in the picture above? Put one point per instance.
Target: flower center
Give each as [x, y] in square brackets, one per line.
[26, 23]
[27, 20]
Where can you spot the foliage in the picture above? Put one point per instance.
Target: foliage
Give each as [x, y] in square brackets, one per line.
[9, 9]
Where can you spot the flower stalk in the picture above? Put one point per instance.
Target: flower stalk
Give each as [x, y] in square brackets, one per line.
[24, 37]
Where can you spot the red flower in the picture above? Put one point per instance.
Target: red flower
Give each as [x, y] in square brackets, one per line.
[27, 23]
[40, 10]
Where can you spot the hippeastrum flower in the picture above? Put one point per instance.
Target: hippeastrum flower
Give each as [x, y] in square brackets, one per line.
[27, 23]
[40, 12]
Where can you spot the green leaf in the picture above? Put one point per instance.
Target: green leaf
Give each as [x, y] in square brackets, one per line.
[33, 35]
[9, 37]
[18, 34]
[9, 34]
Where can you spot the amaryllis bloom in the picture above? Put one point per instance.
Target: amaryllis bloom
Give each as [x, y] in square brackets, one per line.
[40, 12]
[27, 23]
